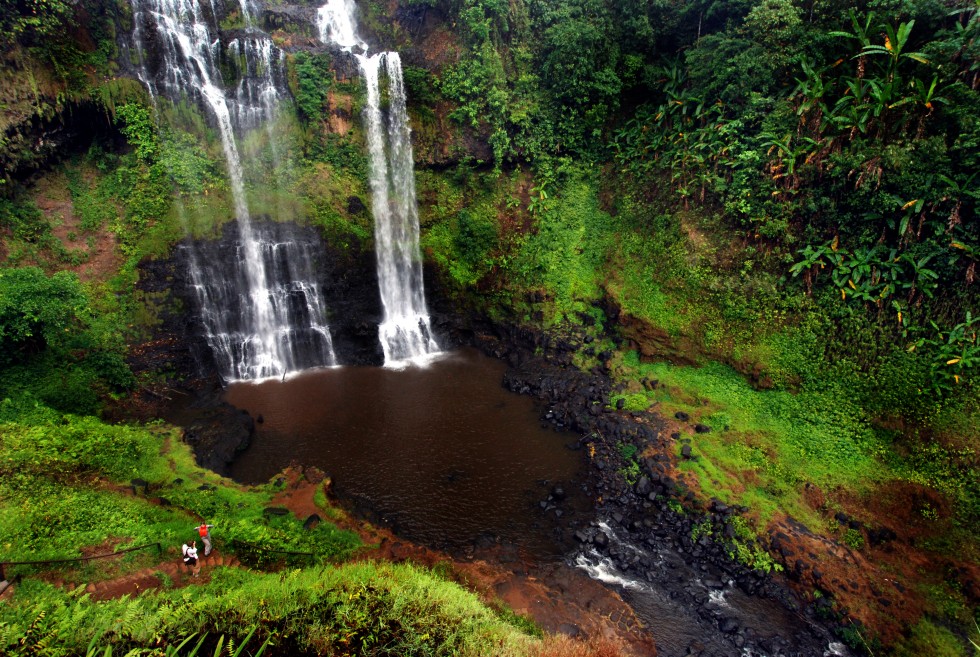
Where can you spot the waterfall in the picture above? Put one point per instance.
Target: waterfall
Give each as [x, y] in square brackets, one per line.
[338, 26]
[250, 312]
[219, 275]
[405, 332]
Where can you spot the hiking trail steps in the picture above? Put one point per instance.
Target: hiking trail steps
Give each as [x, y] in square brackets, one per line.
[154, 577]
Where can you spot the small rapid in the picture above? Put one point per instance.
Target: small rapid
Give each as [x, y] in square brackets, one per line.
[693, 611]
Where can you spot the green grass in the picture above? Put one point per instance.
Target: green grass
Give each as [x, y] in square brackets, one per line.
[565, 254]
[367, 608]
[927, 638]
[64, 487]
[61, 489]
[765, 446]
[640, 288]
[783, 439]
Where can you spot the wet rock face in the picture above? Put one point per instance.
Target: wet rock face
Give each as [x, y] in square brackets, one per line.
[219, 433]
[347, 282]
[189, 390]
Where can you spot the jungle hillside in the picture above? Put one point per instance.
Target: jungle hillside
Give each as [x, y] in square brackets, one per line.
[757, 218]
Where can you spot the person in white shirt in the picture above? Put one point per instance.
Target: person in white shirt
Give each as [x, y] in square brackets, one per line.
[189, 550]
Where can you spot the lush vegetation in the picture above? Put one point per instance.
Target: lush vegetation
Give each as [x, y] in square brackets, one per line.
[69, 484]
[780, 193]
[64, 486]
[57, 347]
[357, 609]
[780, 196]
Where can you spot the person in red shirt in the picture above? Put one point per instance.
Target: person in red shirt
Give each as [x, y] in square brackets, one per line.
[204, 530]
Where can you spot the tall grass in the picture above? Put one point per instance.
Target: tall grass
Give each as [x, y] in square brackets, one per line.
[354, 609]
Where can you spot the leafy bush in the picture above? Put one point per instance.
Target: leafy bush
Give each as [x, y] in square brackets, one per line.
[93, 206]
[37, 311]
[313, 81]
[77, 446]
[53, 345]
[33, 21]
[24, 220]
[564, 256]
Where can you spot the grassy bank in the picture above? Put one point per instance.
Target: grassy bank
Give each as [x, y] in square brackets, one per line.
[65, 491]
[808, 408]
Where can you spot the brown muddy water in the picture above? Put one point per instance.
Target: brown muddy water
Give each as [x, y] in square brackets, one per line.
[444, 454]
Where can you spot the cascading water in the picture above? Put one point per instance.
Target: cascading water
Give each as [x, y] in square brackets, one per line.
[685, 606]
[219, 275]
[338, 26]
[251, 313]
[405, 332]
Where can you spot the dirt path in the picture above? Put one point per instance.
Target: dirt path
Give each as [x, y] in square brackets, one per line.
[174, 573]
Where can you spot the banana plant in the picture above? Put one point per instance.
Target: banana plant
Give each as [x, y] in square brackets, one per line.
[852, 111]
[953, 351]
[958, 191]
[788, 152]
[968, 38]
[814, 259]
[854, 274]
[862, 34]
[883, 95]
[923, 279]
[811, 90]
[925, 96]
[902, 223]
[861, 31]
[894, 48]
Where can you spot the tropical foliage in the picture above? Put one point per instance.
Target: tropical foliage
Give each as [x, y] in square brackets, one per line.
[785, 187]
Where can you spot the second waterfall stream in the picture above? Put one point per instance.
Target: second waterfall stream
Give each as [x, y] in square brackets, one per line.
[405, 331]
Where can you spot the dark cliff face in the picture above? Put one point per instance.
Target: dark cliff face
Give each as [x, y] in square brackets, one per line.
[348, 284]
[42, 133]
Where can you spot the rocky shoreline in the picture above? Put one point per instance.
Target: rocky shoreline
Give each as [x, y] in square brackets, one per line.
[645, 531]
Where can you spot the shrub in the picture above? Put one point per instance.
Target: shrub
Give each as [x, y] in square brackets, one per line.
[37, 311]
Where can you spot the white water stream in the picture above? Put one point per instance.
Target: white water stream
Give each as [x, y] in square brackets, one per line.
[248, 312]
[405, 332]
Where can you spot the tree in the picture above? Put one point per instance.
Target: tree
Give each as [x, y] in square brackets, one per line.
[579, 62]
[37, 311]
